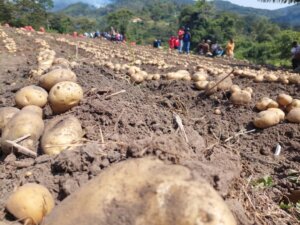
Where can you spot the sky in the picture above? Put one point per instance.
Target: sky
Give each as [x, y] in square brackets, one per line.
[258, 4]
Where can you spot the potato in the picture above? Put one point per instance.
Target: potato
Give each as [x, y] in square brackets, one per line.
[284, 99]
[211, 88]
[280, 113]
[140, 192]
[266, 119]
[294, 104]
[240, 97]
[65, 95]
[271, 77]
[235, 88]
[201, 85]
[61, 61]
[225, 84]
[249, 89]
[156, 76]
[294, 79]
[294, 115]
[26, 122]
[179, 75]
[60, 133]
[31, 95]
[259, 78]
[266, 103]
[199, 76]
[137, 78]
[6, 113]
[48, 80]
[30, 203]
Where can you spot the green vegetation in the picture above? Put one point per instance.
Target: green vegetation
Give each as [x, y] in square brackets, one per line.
[257, 38]
[264, 182]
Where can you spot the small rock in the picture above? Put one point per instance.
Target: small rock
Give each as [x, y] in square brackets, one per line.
[104, 163]
[10, 158]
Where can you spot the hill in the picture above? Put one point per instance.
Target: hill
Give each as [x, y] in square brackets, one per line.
[286, 17]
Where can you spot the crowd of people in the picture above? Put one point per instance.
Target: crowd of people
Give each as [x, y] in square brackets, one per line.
[112, 35]
[182, 43]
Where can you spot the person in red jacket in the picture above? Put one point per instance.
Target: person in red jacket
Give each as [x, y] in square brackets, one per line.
[180, 37]
[177, 43]
[172, 42]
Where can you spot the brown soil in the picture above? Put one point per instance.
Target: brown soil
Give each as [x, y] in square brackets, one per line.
[141, 123]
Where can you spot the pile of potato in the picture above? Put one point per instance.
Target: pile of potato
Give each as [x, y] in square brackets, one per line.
[9, 43]
[273, 112]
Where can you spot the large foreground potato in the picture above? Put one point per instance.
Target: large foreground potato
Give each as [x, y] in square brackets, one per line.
[60, 133]
[48, 80]
[31, 95]
[65, 95]
[143, 192]
[6, 113]
[242, 97]
[30, 203]
[26, 122]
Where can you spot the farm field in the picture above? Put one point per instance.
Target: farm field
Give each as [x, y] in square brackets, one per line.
[134, 100]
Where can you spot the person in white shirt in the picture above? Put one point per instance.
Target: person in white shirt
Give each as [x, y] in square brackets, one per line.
[295, 55]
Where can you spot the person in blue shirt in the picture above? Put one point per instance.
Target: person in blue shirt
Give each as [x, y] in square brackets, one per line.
[187, 40]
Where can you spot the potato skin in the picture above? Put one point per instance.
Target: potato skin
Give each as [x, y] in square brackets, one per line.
[266, 119]
[6, 113]
[240, 97]
[25, 122]
[143, 191]
[295, 104]
[65, 95]
[294, 115]
[284, 99]
[48, 80]
[31, 95]
[59, 133]
[30, 203]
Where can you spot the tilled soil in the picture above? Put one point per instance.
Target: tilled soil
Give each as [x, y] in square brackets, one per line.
[140, 122]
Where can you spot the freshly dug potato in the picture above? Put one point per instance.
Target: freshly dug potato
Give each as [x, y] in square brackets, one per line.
[241, 97]
[6, 113]
[26, 122]
[31, 95]
[225, 84]
[201, 85]
[249, 89]
[294, 79]
[199, 76]
[271, 77]
[143, 191]
[259, 78]
[65, 95]
[235, 88]
[266, 103]
[156, 76]
[294, 115]
[61, 61]
[280, 113]
[179, 75]
[211, 88]
[60, 133]
[266, 119]
[295, 104]
[284, 99]
[30, 203]
[137, 78]
[48, 80]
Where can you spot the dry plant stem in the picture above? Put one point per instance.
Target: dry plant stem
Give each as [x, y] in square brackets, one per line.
[180, 125]
[22, 149]
[219, 82]
[238, 134]
[117, 93]
[118, 120]
[101, 136]
[22, 138]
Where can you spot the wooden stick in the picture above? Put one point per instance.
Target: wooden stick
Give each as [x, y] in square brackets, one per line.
[22, 138]
[220, 81]
[239, 133]
[101, 135]
[119, 92]
[22, 149]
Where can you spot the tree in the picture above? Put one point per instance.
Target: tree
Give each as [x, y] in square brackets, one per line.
[5, 11]
[119, 20]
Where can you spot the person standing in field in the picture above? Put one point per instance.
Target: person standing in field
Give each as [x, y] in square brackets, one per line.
[295, 55]
[230, 48]
[187, 40]
[180, 38]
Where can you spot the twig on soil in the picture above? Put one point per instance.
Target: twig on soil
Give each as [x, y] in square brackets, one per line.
[22, 138]
[101, 136]
[180, 125]
[220, 81]
[118, 120]
[239, 133]
[117, 93]
[22, 149]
